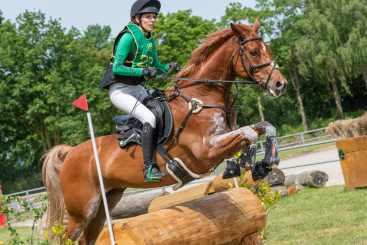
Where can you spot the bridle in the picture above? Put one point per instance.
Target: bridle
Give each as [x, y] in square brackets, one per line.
[242, 53]
[164, 151]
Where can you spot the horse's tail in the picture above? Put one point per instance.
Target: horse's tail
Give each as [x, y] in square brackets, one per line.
[54, 159]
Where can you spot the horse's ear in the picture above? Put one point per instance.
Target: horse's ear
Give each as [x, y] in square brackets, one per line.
[238, 32]
[256, 26]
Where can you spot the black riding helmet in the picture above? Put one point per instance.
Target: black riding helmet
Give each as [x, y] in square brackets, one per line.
[145, 6]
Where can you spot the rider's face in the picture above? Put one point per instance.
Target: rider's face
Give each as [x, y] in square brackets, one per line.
[148, 21]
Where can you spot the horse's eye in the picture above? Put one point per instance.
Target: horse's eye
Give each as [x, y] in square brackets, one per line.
[254, 52]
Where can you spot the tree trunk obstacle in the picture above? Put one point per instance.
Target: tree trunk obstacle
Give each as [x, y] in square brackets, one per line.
[312, 178]
[223, 218]
[134, 205]
[275, 177]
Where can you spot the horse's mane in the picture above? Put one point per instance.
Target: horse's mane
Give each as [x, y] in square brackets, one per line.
[211, 42]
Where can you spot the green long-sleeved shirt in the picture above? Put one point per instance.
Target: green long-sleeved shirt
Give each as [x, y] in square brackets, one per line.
[127, 45]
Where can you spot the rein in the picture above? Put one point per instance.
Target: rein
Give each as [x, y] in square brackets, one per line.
[196, 105]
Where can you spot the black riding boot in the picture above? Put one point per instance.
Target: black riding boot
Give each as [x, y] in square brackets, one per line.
[151, 170]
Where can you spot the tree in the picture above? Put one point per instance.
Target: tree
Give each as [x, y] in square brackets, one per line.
[328, 27]
[178, 34]
[97, 36]
[354, 52]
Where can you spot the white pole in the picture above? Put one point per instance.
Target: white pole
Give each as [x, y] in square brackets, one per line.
[235, 182]
[100, 179]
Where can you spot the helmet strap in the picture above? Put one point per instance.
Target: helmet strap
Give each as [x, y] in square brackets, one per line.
[141, 24]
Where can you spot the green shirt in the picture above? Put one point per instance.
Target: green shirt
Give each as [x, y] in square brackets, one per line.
[146, 57]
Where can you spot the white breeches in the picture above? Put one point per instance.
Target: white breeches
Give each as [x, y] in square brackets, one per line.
[125, 96]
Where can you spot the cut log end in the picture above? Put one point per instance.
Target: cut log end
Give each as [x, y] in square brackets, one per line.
[292, 191]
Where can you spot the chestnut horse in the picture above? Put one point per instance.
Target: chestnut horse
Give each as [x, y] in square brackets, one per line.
[70, 173]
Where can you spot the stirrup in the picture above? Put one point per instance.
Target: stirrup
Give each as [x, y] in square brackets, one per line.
[149, 178]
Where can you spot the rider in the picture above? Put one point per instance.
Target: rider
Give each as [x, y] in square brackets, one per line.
[135, 58]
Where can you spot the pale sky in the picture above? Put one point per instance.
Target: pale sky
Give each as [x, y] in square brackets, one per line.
[115, 13]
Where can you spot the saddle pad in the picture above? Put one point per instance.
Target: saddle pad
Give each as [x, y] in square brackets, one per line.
[164, 128]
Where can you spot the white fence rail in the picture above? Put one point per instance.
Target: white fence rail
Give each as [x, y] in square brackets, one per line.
[260, 152]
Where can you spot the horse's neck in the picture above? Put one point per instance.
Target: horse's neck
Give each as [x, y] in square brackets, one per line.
[215, 67]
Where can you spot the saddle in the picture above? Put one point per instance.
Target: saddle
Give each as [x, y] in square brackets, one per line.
[132, 132]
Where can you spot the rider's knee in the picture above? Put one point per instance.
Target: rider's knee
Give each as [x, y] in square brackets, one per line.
[150, 118]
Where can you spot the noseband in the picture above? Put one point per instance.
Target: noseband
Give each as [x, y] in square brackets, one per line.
[242, 53]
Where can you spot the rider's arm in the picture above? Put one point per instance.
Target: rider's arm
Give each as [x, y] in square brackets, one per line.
[126, 45]
[156, 63]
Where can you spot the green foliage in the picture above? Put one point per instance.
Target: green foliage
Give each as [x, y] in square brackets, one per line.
[97, 36]
[35, 213]
[178, 34]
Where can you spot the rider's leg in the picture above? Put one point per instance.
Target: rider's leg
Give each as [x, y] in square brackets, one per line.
[124, 98]
[151, 170]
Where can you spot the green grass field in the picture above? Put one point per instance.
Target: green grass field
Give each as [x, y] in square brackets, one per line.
[24, 233]
[328, 215]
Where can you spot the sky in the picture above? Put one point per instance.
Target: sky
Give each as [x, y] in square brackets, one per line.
[115, 13]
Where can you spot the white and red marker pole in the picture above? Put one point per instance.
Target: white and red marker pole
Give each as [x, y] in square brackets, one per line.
[82, 104]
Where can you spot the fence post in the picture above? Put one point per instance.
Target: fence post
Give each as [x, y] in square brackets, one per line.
[303, 142]
[235, 182]
[262, 148]
[216, 172]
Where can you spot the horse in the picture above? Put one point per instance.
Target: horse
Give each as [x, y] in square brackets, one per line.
[70, 173]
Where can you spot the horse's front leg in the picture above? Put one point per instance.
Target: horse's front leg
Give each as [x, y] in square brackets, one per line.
[228, 144]
[262, 168]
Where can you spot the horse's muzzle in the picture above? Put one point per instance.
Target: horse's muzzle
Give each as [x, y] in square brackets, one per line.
[277, 88]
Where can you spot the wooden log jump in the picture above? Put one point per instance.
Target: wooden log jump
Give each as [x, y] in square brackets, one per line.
[134, 205]
[231, 217]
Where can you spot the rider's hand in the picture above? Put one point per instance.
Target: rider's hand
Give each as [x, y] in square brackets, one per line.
[150, 72]
[176, 66]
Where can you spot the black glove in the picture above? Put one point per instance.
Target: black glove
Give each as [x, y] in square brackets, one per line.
[150, 72]
[176, 66]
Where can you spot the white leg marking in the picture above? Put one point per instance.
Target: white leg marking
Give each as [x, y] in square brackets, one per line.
[246, 132]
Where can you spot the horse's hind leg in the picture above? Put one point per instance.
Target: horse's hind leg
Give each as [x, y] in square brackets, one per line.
[82, 208]
[95, 226]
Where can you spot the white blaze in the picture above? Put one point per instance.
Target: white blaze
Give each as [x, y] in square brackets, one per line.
[264, 48]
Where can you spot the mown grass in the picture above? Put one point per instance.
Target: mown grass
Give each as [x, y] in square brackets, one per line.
[328, 215]
[24, 233]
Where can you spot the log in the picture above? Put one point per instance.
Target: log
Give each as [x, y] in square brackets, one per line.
[179, 197]
[252, 239]
[133, 205]
[275, 177]
[281, 188]
[221, 218]
[313, 178]
[219, 184]
[292, 191]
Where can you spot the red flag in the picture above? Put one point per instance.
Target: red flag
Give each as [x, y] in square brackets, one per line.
[2, 217]
[81, 103]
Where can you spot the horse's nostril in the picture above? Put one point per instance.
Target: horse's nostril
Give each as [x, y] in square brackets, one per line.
[279, 84]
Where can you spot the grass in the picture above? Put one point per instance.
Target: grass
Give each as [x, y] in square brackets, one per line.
[328, 215]
[24, 233]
